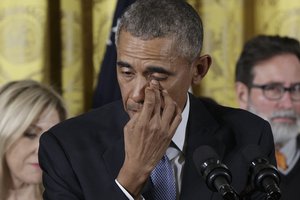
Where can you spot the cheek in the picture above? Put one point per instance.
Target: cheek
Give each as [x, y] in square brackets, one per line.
[262, 105]
[19, 159]
[14, 158]
[179, 95]
[124, 92]
[123, 86]
[297, 107]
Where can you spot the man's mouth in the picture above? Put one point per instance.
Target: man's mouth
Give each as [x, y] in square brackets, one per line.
[284, 119]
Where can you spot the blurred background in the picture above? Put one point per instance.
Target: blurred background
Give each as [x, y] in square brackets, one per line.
[64, 42]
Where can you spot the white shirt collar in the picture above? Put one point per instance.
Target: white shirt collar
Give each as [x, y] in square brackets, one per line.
[179, 136]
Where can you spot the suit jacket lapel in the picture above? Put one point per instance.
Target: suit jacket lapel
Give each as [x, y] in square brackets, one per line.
[114, 155]
[201, 130]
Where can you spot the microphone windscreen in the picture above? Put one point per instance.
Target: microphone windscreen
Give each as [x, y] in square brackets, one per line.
[204, 153]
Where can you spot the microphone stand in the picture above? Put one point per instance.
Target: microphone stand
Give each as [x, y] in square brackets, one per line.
[228, 193]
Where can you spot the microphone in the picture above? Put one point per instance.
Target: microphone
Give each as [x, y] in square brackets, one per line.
[264, 176]
[216, 175]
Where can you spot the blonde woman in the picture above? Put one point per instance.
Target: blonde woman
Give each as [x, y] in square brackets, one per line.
[27, 109]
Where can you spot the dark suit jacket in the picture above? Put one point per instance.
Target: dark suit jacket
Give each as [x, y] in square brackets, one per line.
[290, 183]
[81, 157]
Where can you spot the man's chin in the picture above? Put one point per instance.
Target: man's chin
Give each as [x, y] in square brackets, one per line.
[284, 132]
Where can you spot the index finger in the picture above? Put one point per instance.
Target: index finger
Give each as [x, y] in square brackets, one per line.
[148, 105]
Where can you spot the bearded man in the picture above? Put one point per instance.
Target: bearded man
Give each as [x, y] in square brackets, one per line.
[268, 85]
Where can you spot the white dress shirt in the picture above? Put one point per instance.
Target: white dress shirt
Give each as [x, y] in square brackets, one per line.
[174, 152]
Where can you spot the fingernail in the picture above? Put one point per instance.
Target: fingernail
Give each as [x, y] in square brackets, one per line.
[164, 92]
[154, 82]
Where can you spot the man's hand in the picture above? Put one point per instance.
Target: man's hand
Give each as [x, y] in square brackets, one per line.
[147, 136]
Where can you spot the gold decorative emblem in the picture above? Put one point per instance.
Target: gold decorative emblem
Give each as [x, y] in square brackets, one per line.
[21, 34]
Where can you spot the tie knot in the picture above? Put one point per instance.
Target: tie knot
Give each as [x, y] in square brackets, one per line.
[281, 160]
[172, 152]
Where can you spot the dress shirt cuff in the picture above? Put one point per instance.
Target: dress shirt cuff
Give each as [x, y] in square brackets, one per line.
[127, 193]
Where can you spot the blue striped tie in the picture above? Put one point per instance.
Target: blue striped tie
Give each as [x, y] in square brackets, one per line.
[163, 181]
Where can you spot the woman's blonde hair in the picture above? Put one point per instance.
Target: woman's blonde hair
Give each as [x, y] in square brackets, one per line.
[21, 104]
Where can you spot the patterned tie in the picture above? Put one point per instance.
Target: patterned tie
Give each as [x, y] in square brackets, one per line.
[281, 160]
[163, 181]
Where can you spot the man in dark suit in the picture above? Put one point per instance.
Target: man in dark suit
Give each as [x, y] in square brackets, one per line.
[268, 84]
[112, 152]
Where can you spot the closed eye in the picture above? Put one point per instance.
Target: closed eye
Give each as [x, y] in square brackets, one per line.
[32, 132]
[30, 135]
[127, 73]
[158, 73]
[158, 77]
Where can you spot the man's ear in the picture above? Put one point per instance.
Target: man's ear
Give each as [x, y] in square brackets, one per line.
[242, 94]
[200, 68]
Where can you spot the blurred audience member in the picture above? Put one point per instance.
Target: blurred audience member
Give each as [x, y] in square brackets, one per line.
[27, 109]
[268, 84]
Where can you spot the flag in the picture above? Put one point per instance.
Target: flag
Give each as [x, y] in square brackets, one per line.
[107, 89]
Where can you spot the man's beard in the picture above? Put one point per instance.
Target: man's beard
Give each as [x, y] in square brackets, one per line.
[282, 132]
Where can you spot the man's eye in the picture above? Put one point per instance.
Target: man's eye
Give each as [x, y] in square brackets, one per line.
[127, 73]
[274, 88]
[159, 77]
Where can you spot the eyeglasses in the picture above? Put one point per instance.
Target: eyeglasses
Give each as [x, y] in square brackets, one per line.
[276, 91]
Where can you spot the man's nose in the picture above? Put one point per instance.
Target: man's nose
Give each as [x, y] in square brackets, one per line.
[139, 86]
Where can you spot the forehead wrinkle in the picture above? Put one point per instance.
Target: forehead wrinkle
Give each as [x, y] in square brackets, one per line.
[141, 48]
[146, 52]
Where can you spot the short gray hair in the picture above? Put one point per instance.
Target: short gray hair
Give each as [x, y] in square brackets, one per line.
[176, 19]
